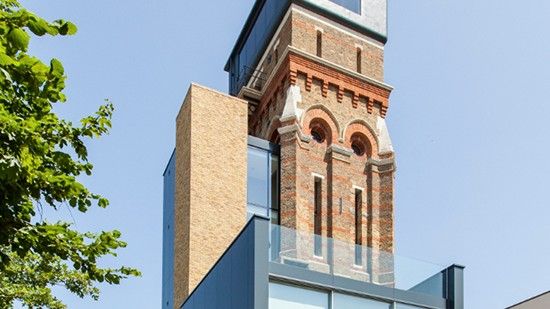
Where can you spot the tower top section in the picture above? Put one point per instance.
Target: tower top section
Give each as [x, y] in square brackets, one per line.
[366, 17]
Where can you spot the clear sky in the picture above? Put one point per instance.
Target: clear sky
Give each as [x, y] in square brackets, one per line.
[469, 118]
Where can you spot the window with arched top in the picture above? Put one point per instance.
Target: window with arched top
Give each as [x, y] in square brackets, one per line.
[360, 145]
[320, 131]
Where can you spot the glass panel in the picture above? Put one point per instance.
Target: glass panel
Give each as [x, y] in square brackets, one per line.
[271, 12]
[318, 245]
[352, 5]
[290, 297]
[258, 178]
[342, 301]
[317, 253]
[358, 255]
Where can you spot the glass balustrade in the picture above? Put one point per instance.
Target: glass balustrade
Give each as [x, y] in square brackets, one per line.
[340, 258]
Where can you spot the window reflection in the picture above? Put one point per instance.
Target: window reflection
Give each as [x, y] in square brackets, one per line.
[258, 181]
[352, 5]
[263, 182]
[342, 301]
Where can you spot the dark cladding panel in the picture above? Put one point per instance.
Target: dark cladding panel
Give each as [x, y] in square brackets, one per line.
[235, 281]
[168, 234]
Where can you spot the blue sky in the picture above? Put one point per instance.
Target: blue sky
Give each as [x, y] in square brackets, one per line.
[469, 118]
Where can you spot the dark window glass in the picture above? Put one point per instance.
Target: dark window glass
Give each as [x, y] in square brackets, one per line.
[318, 135]
[317, 216]
[275, 194]
[319, 44]
[359, 59]
[352, 5]
[358, 216]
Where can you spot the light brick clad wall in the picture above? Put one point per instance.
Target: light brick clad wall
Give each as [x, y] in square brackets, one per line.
[211, 154]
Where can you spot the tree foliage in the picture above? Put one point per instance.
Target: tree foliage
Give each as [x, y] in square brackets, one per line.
[41, 158]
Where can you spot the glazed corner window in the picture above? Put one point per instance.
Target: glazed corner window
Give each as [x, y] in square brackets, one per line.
[358, 225]
[319, 43]
[263, 181]
[317, 216]
[352, 5]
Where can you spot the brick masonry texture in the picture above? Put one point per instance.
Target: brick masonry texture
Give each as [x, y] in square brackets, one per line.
[211, 153]
[339, 47]
[347, 108]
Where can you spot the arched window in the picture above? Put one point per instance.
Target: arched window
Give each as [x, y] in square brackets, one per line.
[318, 135]
[360, 145]
[320, 131]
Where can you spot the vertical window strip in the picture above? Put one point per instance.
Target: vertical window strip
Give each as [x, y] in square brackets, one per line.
[358, 226]
[359, 59]
[317, 216]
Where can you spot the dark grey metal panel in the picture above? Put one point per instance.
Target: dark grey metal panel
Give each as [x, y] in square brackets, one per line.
[239, 279]
[455, 287]
[305, 277]
[263, 144]
[168, 234]
[261, 264]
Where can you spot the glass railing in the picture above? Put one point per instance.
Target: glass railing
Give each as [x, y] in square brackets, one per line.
[340, 258]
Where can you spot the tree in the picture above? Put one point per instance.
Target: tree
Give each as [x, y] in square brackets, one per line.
[41, 159]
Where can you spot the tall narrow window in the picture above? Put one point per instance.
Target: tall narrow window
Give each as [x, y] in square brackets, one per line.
[317, 217]
[319, 43]
[359, 59]
[358, 236]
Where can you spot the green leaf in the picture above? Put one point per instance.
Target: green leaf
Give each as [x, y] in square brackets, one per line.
[36, 28]
[42, 158]
[5, 60]
[67, 28]
[56, 68]
[19, 39]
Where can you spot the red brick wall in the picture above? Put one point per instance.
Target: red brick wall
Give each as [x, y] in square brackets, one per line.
[347, 106]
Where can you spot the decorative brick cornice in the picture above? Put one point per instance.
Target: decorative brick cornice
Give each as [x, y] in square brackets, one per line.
[371, 91]
[297, 62]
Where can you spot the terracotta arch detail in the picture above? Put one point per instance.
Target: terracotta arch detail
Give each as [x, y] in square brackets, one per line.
[321, 112]
[362, 127]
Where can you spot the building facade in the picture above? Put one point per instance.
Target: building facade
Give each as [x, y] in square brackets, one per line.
[287, 181]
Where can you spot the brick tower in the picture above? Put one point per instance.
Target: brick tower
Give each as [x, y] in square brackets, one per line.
[296, 210]
[314, 81]
[307, 91]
